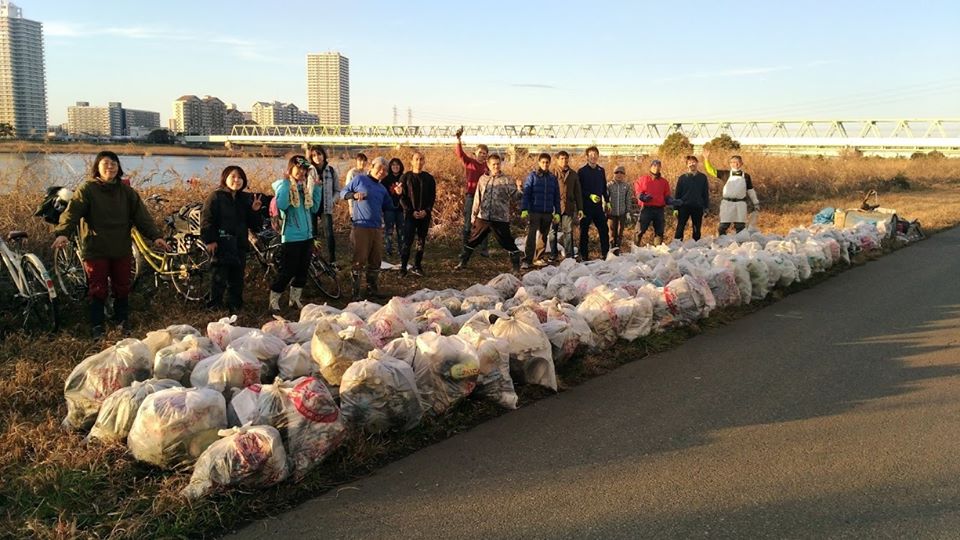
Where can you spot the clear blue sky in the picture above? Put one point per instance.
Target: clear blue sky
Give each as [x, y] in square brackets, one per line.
[516, 61]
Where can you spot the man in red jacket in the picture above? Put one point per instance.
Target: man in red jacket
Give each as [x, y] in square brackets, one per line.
[474, 168]
[653, 194]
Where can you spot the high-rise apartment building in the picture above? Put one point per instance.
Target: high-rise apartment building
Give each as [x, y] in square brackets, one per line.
[195, 116]
[23, 88]
[280, 114]
[328, 87]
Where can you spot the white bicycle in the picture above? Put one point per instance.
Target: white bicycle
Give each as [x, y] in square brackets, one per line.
[29, 286]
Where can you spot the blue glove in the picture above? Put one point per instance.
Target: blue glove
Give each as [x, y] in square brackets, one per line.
[644, 197]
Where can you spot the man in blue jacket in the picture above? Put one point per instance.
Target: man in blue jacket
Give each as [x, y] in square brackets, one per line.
[541, 205]
[370, 200]
[593, 185]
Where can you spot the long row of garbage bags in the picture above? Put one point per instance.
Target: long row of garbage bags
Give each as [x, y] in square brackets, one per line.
[251, 407]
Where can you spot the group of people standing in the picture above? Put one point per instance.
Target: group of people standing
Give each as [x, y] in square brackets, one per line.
[390, 207]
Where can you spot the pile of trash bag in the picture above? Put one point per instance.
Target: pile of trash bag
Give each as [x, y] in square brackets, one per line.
[250, 407]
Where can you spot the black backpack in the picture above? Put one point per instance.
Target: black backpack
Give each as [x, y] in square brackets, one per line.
[52, 205]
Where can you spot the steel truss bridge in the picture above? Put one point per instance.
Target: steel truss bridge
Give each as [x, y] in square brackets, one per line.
[781, 136]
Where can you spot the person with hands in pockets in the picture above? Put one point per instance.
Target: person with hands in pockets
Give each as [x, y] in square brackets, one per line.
[737, 188]
[228, 213]
[370, 201]
[540, 204]
[297, 199]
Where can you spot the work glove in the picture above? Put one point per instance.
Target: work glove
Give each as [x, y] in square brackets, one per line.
[676, 213]
[644, 197]
[608, 207]
[579, 214]
[556, 218]
[524, 214]
[595, 198]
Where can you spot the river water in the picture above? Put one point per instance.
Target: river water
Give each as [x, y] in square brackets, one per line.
[37, 171]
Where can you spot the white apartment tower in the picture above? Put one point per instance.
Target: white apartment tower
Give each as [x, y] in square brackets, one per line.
[328, 87]
[23, 89]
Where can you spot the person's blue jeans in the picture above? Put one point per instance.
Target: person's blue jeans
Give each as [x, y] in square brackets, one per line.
[467, 216]
[392, 226]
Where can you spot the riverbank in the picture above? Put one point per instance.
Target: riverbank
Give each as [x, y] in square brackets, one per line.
[136, 149]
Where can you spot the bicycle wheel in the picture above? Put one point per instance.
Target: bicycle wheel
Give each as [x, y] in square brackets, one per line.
[324, 276]
[189, 271]
[69, 273]
[41, 311]
[136, 264]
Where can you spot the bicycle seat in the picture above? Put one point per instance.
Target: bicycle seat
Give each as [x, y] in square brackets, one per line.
[13, 236]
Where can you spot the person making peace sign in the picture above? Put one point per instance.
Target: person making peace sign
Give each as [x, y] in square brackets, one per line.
[227, 215]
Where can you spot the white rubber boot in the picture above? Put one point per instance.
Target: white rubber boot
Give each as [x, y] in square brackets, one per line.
[274, 301]
[295, 294]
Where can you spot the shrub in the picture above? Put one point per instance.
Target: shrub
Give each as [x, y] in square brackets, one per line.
[676, 144]
[722, 142]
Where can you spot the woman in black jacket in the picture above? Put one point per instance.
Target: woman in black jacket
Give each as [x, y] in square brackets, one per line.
[228, 213]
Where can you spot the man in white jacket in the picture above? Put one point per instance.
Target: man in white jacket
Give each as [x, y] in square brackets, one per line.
[737, 188]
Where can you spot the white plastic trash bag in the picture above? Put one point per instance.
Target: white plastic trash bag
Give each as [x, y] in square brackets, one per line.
[120, 409]
[363, 309]
[176, 425]
[634, 317]
[296, 361]
[264, 347]
[393, 320]
[96, 377]
[288, 331]
[227, 370]
[379, 393]
[314, 312]
[404, 348]
[531, 355]
[446, 369]
[223, 331]
[243, 408]
[177, 361]
[245, 457]
[438, 320]
[334, 349]
[308, 419]
[506, 285]
[494, 382]
[600, 314]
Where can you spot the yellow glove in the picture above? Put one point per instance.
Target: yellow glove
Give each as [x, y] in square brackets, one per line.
[676, 213]
[524, 214]
[556, 218]
[608, 207]
[580, 214]
[595, 198]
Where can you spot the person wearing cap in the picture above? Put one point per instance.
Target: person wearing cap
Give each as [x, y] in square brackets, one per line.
[297, 200]
[692, 197]
[653, 194]
[473, 167]
[737, 187]
[571, 206]
[370, 201]
[325, 176]
[541, 205]
[623, 202]
[593, 186]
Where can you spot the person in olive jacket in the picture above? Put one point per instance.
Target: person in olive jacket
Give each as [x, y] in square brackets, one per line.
[228, 213]
[103, 211]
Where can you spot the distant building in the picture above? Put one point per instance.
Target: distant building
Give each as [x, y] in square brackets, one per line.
[196, 116]
[328, 87]
[280, 114]
[23, 88]
[110, 121]
[231, 118]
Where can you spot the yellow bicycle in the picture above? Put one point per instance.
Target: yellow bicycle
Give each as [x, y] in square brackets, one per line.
[186, 267]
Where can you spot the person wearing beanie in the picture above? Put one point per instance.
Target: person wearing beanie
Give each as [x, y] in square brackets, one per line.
[623, 202]
[653, 194]
[737, 187]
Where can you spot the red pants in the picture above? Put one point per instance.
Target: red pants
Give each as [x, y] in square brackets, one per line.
[99, 270]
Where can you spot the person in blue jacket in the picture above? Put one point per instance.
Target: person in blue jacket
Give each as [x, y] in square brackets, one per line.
[370, 201]
[298, 200]
[541, 205]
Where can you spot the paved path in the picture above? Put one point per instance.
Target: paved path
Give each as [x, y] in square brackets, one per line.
[833, 413]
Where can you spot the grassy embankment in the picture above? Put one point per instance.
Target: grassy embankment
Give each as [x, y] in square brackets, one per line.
[51, 485]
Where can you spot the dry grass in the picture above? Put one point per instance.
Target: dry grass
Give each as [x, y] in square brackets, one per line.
[53, 486]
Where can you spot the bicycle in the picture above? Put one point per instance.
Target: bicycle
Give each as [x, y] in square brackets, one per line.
[31, 283]
[266, 250]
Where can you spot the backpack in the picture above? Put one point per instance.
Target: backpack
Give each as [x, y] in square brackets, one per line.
[53, 204]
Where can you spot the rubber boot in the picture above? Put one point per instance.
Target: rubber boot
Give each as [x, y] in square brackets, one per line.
[373, 288]
[418, 263]
[295, 294]
[121, 313]
[274, 301]
[515, 261]
[464, 258]
[356, 285]
[96, 319]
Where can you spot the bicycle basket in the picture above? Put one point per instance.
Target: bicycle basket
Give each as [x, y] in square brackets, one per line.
[187, 219]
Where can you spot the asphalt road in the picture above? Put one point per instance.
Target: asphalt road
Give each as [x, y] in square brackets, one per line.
[833, 413]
